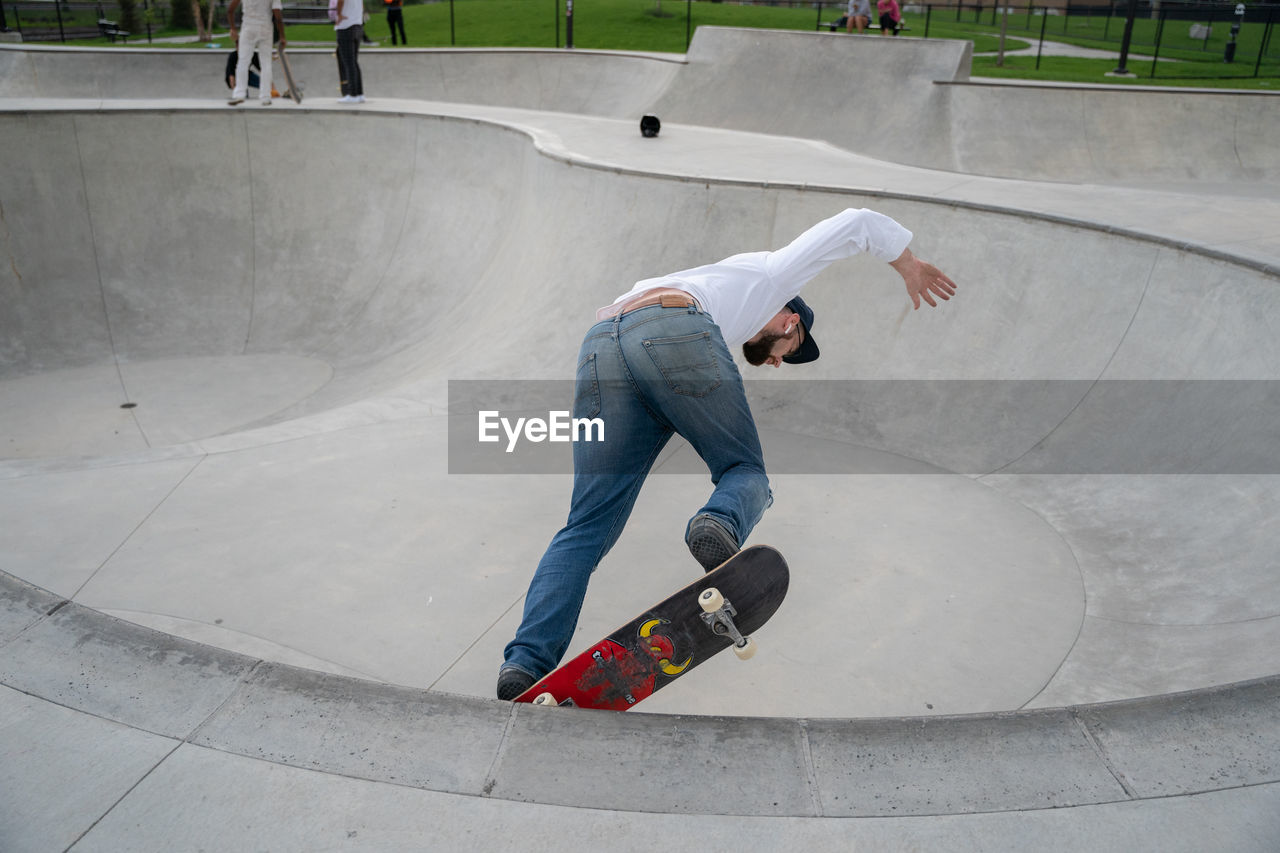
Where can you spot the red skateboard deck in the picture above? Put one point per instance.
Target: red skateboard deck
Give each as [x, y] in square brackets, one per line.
[672, 637]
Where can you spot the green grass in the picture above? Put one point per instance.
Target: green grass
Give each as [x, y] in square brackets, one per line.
[597, 24]
[1198, 62]
[602, 24]
[647, 25]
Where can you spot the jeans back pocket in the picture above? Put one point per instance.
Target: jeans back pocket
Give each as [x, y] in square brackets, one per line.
[688, 363]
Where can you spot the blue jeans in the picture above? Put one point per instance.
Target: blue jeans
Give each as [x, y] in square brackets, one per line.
[647, 374]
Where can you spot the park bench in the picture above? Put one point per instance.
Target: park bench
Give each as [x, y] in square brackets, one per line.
[842, 24]
[307, 13]
[111, 30]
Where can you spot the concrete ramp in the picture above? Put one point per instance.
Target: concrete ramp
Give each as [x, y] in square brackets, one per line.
[872, 95]
[1109, 134]
[233, 309]
[587, 82]
[902, 100]
[908, 100]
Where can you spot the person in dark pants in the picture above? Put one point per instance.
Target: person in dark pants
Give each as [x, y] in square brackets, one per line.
[349, 27]
[230, 74]
[395, 18]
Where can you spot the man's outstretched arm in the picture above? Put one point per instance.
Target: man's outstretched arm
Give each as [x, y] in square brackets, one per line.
[923, 279]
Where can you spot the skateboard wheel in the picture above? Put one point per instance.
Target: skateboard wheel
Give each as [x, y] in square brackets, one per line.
[545, 699]
[745, 651]
[711, 599]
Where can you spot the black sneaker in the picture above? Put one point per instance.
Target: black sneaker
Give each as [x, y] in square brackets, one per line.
[709, 543]
[512, 682]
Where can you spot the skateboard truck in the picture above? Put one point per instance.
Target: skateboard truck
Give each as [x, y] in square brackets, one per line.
[550, 699]
[718, 613]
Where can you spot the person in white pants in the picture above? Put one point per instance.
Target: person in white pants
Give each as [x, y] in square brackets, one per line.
[255, 35]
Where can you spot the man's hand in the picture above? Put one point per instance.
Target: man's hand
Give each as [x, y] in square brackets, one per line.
[923, 280]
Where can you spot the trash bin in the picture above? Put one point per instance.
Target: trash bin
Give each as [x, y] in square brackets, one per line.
[1230, 54]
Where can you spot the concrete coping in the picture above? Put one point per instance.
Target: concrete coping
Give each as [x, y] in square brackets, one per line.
[1178, 744]
[1120, 88]
[327, 48]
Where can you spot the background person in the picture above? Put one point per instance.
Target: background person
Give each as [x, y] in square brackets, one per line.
[254, 67]
[859, 15]
[395, 18]
[890, 16]
[349, 28]
[255, 36]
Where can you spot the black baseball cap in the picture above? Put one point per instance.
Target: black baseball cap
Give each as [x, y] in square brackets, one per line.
[809, 349]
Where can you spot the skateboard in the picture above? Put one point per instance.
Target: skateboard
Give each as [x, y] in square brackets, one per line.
[722, 609]
[294, 91]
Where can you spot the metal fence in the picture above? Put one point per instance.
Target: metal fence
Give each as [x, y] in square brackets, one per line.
[1168, 38]
[56, 20]
[1179, 40]
[66, 21]
[1186, 40]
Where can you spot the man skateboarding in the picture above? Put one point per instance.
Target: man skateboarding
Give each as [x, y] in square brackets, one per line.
[657, 363]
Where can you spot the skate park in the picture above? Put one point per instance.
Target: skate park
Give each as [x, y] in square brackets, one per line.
[258, 608]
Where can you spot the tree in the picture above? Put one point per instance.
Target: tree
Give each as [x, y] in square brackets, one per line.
[129, 16]
[180, 17]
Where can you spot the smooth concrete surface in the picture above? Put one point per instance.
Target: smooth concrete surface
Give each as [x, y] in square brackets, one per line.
[284, 295]
[213, 750]
[588, 82]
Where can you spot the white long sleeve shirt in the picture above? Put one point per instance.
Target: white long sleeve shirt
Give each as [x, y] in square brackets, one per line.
[743, 292]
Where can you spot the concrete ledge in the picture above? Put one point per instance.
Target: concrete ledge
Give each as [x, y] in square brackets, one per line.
[958, 765]
[1166, 745]
[91, 662]
[22, 605]
[1189, 743]
[435, 741]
